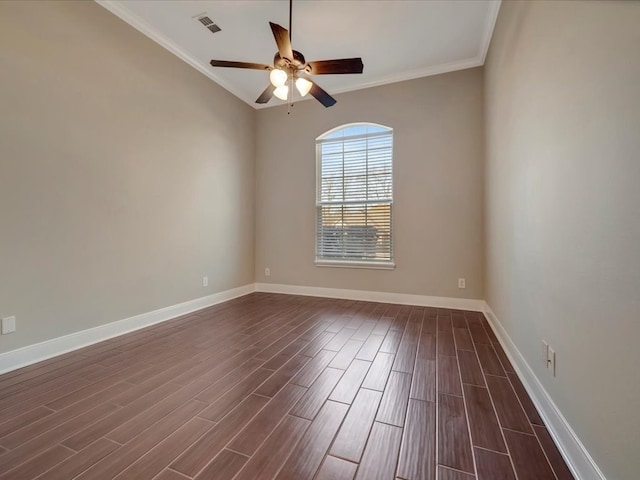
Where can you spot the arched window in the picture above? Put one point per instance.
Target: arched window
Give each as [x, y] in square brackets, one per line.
[354, 198]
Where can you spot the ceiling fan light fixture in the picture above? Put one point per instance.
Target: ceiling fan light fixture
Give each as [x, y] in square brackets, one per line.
[282, 92]
[303, 86]
[278, 77]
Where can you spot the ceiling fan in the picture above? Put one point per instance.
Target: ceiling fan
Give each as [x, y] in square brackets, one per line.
[290, 68]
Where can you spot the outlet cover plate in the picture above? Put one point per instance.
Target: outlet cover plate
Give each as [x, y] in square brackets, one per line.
[8, 325]
[551, 363]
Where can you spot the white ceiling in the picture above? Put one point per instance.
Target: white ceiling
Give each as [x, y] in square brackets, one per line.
[397, 39]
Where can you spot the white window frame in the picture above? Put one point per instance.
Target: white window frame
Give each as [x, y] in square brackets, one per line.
[348, 263]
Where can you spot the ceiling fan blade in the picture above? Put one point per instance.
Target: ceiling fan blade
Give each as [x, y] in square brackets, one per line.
[332, 67]
[266, 95]
[253, 66]
[323, 97]
[283, 41]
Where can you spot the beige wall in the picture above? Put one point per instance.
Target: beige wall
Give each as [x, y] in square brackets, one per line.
[125, 175]
[438, 154]
[563, 209]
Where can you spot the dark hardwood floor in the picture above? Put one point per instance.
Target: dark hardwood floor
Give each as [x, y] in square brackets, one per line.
[280, 387]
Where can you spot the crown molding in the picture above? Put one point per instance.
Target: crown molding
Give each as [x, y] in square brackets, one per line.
[492, 17]
[136, 22]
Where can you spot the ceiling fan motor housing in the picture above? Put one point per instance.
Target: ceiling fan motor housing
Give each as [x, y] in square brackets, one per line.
[298, 63]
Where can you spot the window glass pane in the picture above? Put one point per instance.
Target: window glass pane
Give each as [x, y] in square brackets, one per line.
[355, 188]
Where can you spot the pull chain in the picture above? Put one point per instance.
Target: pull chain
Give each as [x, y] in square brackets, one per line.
[290, 97]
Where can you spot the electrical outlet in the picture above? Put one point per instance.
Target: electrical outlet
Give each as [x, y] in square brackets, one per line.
[205, 281]
[8, 325]
[551, 361]
[545, 353]
[267, 272]
[462, 283]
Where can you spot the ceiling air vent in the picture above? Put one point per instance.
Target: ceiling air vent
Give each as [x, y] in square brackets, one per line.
[208, 23]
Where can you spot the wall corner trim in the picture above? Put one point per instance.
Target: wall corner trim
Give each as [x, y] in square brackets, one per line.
[572, 449]
[28, 355]
[370, 296]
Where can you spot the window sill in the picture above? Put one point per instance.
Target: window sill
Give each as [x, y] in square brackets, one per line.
[355, 264]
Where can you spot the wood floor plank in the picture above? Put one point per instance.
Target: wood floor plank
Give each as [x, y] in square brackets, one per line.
[427, 346]
[449, 376]
[20, 421]
[13, 406]
[393, 405]
[270, 457]
[423, 385]
[319, 343]
[226, 383]
[313, 399]
[163, 454]
[352, 437]
[510, 413]
[223, 467]
[463, 339]
[446, 344]
[168, 474]
[379, 371]
[347, 388]
[278, 360]
[391, 341]
[339, 340]
[198, 455]
[504, 361]
[445, 473]
[308, 454]
[282, 376]
[489, 361]
[100, 428]
[113, 464]
[129, 430]
[39, 464]
[478, 333]
[258, 429]
[430, 323]
[370, 348]
[444, 324]
[308, 374]
[276, 347]
[24, 451]
[493, 465]
[405, 358]
[528, 458]
[454, 445]
[418, 452]
[553, 454]
[470, 370]
[525, 400]
[458, 319]
[483, 423]
[346, 355]
[336, 469]
[380, 456]
[382, 326]
[235, 395]
[81, 461]
[363, 332]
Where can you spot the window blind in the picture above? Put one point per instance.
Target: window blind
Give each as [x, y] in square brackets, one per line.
[355, 194]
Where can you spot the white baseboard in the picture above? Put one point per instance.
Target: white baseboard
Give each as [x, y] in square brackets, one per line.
[41, 351]
[572, 449]
[369, 296]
